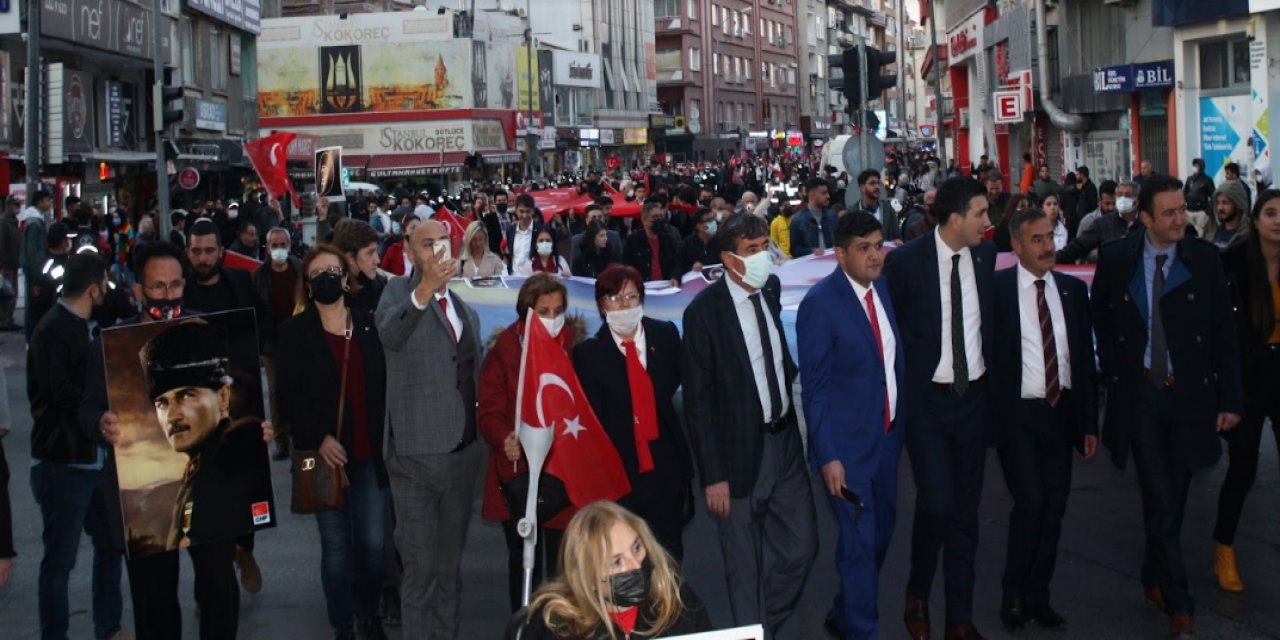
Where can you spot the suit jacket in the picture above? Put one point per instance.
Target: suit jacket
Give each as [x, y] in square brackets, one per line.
[602, 371]
[721, 402]
[575, 245]
[510, 234]
[804, 231]
[1204, 351]
[425, 412]
[309, 380]
[914, 287]
[1006, 362]
[637, 253]
[844, 379]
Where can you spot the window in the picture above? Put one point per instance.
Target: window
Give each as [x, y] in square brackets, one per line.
[248, 67]
[746, 67]
[188, 53]
[217, 59]
[693, 9]
[1224, 64]
[715, 62]
[764, 29]
[715, 16]
[668, 65]
[695, 59]
[666, 8]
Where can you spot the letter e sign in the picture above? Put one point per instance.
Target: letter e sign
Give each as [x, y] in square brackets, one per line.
[1008, 106]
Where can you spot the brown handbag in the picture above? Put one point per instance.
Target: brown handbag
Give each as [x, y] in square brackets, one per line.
[317, 487]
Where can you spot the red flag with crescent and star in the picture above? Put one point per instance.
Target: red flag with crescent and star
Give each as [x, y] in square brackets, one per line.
[268, 156]
[455, 225]
[550, 397]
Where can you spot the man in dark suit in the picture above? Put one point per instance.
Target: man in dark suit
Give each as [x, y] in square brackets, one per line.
[742, 424]
[520, 237]
[941, 284]
[1174, 372]
[1046, 403]
[851, 367]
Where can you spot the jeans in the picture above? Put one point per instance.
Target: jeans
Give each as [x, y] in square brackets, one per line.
[352, 549]
[153, 582]
[70, 500]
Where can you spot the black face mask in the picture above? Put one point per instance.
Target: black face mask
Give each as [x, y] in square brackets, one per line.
[327, 288]
[631, 588]
[163, 308]
[501, 207]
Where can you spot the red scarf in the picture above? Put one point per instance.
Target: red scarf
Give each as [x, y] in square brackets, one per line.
[626, 619]
[643, 406]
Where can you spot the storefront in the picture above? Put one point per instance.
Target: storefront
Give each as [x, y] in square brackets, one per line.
[1149, 88]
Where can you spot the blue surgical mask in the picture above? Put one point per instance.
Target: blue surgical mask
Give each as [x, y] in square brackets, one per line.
[711, 228]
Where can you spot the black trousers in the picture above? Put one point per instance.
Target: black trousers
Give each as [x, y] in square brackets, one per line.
[153, 584]
[1035, 454]
[1164, 475]
[1261, 401]
[546, 559]
[947, 441]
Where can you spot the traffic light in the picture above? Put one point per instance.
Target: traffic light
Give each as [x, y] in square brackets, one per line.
[849, 84]
[877, 82]
[163, 95]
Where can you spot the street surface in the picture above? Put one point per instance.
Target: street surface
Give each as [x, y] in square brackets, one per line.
[1096, 586]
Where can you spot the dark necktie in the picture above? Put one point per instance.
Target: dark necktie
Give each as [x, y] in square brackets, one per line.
[444, 308]
[775, 391]
[1159, 347]
[959, 363]
[875, 330]
[1052, 387]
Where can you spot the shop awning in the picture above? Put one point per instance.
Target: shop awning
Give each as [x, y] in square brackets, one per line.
[123, 156]
[404, 165]
[501, 157]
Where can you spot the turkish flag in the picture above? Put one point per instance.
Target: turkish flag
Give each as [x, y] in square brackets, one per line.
[267, 155]
[549, 397]
[456, 226]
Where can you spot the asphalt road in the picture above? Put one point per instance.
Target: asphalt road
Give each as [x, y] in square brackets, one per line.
[1096, 586]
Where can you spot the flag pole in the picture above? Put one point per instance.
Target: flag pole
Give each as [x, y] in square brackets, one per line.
[536, 444]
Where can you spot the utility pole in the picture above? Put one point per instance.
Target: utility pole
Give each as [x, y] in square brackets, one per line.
[34, 137]
[866, 101]
[530, 137]
[902, 69]
[162, 173]
[937, 86]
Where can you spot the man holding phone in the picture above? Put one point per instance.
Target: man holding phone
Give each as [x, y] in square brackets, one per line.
[431, 454]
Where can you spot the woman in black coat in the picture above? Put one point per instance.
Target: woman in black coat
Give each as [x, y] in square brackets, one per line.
[657, 463]
[312, 349]
[596, 254]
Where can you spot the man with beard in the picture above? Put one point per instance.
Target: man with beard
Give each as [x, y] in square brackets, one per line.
[1230, 202]
[869, 188]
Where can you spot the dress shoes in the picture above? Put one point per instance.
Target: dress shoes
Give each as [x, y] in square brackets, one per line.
[832, 631]
[1044, 616]
[1182, 626]
[1012, 615]
[963, 631]
[1156, 597]
[1224, 564]
[917, 618]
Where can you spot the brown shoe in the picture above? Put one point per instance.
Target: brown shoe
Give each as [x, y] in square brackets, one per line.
[1181, 626]
[963, 631]
[250, 574]
[917, 618]
[1156, 597]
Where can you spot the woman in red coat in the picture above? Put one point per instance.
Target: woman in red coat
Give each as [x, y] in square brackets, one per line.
[499, 377]
[396, 261]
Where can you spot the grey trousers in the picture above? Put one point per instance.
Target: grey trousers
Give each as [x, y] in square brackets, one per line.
[433, 496]
[770, 537]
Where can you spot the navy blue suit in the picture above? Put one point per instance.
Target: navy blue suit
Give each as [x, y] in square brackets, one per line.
[844, 406]
[946, 434]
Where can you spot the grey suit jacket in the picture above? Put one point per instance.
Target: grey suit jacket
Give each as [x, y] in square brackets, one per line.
[425, 414]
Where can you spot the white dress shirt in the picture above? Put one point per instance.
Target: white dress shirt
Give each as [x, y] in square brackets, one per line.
[640, 345]
[888, 343]
[746, 310]
[972, 313]
[1032, 343]
[451, 311]
[1059, 235]
[522, 252]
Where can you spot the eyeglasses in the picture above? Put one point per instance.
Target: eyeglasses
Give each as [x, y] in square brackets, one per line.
[334, 270]
[164, 287]
[628, 300]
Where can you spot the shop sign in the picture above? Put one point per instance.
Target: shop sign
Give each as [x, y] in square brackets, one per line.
[635, 136]
[109, 25]
[117, 116]
[577, 69]
[606, 137]
[661, 121]
[1128, 78]
[211, 115]
[245, 15]
[965, 40]
[1008, 106]
[189, 178]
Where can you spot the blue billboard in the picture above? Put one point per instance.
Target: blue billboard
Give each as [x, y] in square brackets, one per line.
[1175, 13]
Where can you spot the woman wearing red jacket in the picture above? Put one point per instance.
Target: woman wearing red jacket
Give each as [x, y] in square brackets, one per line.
[395, 260]
[499, 377]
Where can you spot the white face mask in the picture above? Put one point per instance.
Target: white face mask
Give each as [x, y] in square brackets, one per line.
[553, 325]
[544, 248]
[757, 269]
[232, 214]
[624, 322]
[279, 255]
[1124, 204]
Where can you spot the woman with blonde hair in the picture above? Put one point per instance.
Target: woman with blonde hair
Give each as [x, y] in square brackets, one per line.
[615, 581]
[477, 261]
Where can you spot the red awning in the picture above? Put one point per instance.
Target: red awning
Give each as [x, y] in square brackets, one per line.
[404, 165]
[355, 161]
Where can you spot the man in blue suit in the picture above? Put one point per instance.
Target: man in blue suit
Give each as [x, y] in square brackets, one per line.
[942, 286]
[851, 366]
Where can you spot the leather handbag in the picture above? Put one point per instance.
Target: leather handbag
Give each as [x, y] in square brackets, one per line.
[552, 496]
[318, 487]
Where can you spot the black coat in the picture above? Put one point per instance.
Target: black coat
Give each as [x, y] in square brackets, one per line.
[721, 401]
[637, 253]
[1204, 351]
[1006, 362]
[6, 515]
[602, 370]
[308, 381]
[57, 365]
[1235, 262]
[694, 619]
[246, 295]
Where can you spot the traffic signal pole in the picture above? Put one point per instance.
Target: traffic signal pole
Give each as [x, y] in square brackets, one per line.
[866, 101]
[162, 173]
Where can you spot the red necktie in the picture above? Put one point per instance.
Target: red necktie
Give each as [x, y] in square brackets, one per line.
[643, 406]
[444, 308]
[1052, 390]
[875, 329]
